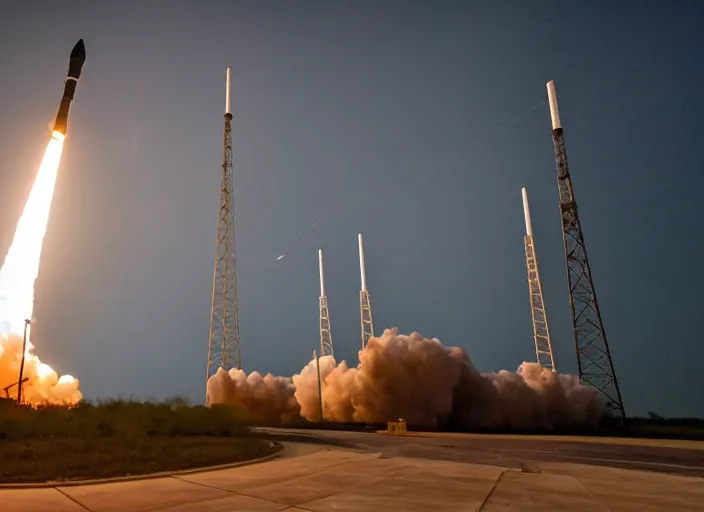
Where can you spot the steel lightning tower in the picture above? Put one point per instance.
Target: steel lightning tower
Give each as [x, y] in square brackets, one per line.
[224, 339]
[541, 332]
[365, 305]
[325, 335]
[596, 367]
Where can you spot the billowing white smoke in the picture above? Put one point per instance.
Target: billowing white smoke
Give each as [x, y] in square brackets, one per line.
[44, 386]
[427, 384]
[263, 399]
[306, 390]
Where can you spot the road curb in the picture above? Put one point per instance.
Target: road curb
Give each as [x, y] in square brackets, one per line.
[678, 444]
[147, 476]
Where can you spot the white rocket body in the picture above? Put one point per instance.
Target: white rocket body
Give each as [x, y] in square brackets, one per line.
[526, 212]
[554, 112]
[228, 84]
[362, 270]
[322, 277]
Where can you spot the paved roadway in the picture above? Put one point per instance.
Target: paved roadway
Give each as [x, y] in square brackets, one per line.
[518, 452]
[353, 471]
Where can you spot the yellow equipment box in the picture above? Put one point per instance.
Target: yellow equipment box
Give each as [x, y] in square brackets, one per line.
[396, 428]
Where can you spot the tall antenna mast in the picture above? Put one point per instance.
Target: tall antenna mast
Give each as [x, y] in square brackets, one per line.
[224, 339]
[325, 335]
[541, 332]
[596, 367]
[365, 305]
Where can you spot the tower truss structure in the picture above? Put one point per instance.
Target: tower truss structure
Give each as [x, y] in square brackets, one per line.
[326, 348]
[224, 338]
[541, 331]
[365, 305]
[596, 366]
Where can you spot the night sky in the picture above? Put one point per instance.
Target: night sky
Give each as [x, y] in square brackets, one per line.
[416, 123]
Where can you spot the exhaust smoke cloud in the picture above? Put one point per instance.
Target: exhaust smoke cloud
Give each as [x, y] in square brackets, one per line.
[425, 383]
[262, 399]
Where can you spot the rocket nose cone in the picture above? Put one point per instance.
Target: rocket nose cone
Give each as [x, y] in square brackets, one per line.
[79, 52]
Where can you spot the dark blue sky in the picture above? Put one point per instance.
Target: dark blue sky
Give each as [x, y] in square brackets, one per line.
[416, 123]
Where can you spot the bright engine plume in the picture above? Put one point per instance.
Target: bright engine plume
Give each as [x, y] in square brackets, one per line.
[22, 261]
[17, 278]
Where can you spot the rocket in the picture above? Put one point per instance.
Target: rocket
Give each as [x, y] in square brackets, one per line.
[526, 212]
[362, 270]
[75, 65]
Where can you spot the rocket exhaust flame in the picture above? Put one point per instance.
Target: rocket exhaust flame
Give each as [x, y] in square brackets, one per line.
[17, 278]
[22, 261]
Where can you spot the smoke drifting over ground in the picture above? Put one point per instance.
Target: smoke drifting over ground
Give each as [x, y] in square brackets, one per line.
[420, 380]
[44, 386]
[264, 399]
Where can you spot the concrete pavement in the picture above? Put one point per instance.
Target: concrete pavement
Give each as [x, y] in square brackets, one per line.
[316, 478]
[621, 441]
[512, 451]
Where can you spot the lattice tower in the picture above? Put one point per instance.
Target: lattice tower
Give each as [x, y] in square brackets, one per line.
[326, 348]
[365, 305]
[594, 360]
[224, 339]
[541, 331]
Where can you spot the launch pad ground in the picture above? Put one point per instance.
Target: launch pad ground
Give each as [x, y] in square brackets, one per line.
[349, 471]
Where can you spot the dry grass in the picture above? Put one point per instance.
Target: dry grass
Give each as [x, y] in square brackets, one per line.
[119, 438]
[47, 459]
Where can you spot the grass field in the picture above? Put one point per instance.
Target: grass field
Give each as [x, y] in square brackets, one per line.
[119, 438]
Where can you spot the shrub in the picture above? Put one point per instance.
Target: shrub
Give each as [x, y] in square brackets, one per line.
[120, 417]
